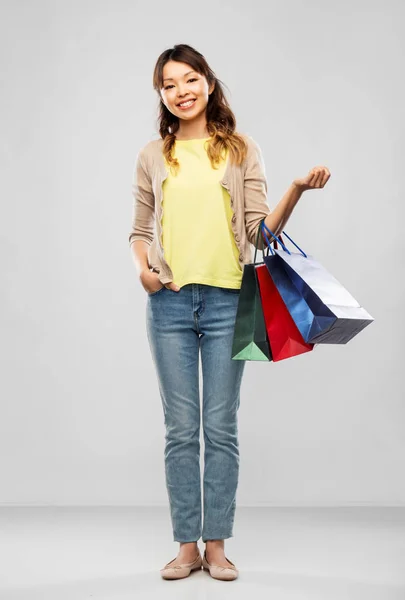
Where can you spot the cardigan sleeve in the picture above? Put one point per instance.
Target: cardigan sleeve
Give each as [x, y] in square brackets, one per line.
[255, 193]
[143, 212]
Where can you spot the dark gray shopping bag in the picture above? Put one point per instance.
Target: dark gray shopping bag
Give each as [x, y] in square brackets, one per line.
[250, 341]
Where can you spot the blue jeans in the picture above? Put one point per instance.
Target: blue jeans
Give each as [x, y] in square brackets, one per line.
[178, 325]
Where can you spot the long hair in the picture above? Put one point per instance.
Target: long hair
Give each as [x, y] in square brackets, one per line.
[221, 122]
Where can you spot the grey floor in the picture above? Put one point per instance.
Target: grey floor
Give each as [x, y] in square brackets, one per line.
[116, 553]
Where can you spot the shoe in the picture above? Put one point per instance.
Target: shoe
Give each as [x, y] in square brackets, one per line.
[180, 571]
[217, 572]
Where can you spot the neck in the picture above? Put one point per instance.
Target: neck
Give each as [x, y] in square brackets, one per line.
[190, 130]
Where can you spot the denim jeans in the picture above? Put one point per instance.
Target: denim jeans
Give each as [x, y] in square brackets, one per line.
[179, 324]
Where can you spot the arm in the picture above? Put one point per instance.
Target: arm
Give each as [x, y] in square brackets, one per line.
[278, 218]
[255, 193]
[139, 249]
[256, 207]
[143, 204]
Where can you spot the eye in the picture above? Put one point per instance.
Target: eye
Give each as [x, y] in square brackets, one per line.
[192, 79]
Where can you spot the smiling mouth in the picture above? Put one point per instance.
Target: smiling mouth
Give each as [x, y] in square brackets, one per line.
[187, 104]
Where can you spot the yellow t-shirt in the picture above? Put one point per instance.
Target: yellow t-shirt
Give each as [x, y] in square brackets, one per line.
[198, 241]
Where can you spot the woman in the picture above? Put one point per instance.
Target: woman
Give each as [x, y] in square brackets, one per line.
[202, 188]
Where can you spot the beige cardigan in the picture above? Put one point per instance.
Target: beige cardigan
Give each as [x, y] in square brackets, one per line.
[246, 184]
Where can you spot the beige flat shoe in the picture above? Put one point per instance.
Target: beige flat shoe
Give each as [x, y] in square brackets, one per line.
[217, 572]
[180, 571]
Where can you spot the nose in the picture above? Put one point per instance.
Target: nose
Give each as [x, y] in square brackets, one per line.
[181, 95]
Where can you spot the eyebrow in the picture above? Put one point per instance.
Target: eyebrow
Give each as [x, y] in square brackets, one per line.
[185, 74]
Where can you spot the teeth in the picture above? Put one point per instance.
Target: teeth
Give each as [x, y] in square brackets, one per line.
[189, 103]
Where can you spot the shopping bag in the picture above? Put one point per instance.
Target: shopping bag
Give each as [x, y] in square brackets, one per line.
[283, 334]
[337, 316]
[250, 337]
[295, 302]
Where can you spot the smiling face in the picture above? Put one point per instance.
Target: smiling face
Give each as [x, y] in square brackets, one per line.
[180, 84]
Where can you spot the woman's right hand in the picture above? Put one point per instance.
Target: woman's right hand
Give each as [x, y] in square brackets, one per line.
[150, 281]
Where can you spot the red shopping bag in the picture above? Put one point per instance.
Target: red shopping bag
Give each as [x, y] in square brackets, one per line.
[284, 336]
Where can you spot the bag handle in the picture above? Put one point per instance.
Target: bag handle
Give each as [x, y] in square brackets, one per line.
[276, 239]
[257, 242]
[264, 226]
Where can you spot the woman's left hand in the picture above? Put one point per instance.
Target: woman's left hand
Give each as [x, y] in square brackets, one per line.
[316, 178]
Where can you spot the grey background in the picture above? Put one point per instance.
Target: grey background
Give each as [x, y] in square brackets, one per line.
[313, 83]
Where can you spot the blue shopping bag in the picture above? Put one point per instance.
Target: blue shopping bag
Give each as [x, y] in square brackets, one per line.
[323, 310]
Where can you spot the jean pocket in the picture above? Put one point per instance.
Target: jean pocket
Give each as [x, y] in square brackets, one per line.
[157, 291]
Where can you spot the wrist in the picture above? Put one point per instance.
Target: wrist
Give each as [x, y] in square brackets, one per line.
[298, 187]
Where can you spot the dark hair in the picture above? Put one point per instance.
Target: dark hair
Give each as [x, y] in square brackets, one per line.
[221, 122]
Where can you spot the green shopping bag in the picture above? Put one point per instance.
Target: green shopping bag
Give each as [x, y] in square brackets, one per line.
[250, 341]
